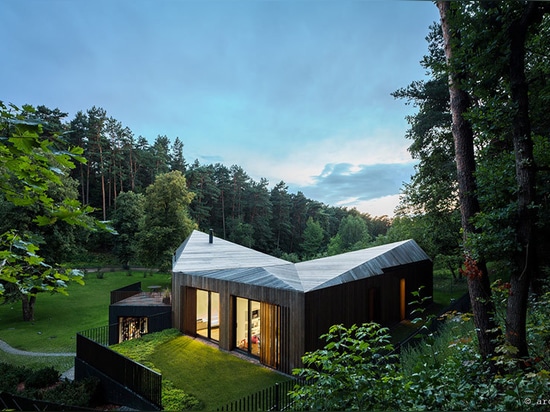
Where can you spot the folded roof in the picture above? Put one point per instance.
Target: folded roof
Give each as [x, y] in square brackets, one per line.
[229, 261]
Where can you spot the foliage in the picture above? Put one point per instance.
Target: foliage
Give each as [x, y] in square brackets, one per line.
[312, 238]
[44, 384]
[126, 219]
[354, 371]
[174, 399]
[33, 162]
[42, 378]
[442, 370]
[166, 222]
[82, 393]
[24, 272]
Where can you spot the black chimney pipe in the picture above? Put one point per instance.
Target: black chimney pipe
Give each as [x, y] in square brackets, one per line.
[211, 239]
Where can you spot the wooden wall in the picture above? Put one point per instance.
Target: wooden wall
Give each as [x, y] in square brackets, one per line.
[351, 303]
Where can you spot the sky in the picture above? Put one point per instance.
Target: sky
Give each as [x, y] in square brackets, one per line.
[290, 90]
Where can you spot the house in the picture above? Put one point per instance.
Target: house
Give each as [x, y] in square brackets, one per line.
[244, 300]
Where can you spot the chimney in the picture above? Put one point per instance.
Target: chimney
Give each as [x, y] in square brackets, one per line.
[211, 238]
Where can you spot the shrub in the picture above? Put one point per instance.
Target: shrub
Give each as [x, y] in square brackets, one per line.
[42, 378]
[11, 376]
[84, 393]
[354, 371]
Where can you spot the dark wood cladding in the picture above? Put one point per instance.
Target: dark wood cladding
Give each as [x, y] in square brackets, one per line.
[372, 299]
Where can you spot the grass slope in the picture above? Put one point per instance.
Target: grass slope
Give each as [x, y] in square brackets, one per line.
[213, 376]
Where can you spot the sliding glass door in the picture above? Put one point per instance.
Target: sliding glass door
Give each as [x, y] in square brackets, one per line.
[208, 314]
[257, 329]
[247, 325]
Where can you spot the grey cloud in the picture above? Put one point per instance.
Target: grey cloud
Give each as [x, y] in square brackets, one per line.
[342, 181]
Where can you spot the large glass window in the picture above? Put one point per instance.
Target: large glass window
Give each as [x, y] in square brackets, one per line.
[247, 325]
[208, 314]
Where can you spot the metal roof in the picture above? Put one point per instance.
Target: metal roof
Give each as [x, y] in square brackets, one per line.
[228, 261]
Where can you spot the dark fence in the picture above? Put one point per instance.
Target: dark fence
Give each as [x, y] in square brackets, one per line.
[274, 398]
[99, 335]
[125, 292]
[136, 377]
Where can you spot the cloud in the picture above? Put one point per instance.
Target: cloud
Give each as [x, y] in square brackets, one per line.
[345, 183]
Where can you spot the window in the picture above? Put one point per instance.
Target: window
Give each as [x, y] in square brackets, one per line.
[131, 328]
[208, 314]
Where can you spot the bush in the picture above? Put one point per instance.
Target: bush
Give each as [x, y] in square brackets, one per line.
[11, 376]
[44, 384]
[83, 393]
[42, 378]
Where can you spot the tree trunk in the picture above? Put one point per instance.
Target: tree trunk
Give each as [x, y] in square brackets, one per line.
[476, 270]
[27, 304]
[525, 258]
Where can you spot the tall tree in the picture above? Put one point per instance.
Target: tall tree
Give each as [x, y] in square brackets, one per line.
[313, 239]
[126, 220]
[167, 222]
[177, 160]
[475, 266]
[280, 222]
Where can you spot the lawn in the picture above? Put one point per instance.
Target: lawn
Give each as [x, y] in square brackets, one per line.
[200, 369]
[58, 318]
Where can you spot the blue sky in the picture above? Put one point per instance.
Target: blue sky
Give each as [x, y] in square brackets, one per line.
[292, 90]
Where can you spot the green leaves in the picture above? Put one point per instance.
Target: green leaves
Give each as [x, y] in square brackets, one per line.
[354, 371]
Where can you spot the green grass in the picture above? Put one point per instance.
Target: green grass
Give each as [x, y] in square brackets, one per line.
[214, 377]
[59, 363]
[58, 318]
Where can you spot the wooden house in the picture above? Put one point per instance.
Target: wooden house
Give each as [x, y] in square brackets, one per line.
[266, 307]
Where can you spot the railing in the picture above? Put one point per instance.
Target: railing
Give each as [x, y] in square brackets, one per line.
[274, 398]
[99, 335]
[91, 347]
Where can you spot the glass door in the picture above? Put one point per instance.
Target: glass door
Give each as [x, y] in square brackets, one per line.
[208, 314]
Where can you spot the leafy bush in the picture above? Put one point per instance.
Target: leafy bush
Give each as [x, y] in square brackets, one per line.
[443, 371]
[42, 378]
[44, 384]
[11, 376]
[354, 371]
[84, 393]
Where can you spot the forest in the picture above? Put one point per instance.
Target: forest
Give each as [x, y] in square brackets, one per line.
[120, 169]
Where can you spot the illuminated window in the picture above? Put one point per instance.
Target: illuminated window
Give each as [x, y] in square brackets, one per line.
[208, 314]
[247, 325]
